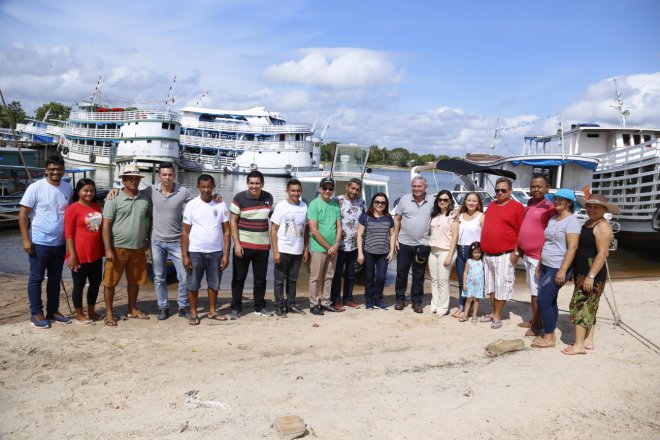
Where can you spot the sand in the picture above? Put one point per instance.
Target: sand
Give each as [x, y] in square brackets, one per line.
[357, 374]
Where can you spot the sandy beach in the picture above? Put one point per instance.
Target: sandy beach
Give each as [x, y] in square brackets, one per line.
[357, 374]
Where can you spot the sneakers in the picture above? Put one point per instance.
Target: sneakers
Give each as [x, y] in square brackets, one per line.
[184, 312]
[380, 305]
[369, 305]
[264, 312]
[295, 309]
[234, 315]
[400, 305]
[338, 306]
[281, 312]
[351, 304]
[58, 317]
[39, 322]
[418, 308]
[332, 308]
[316, 310]
[163, 313]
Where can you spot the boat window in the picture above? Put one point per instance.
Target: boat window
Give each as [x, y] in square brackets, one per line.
[148, 141]
[165, 125]
[593, 135]
[626, 140]
[637, 138]
[647, 137]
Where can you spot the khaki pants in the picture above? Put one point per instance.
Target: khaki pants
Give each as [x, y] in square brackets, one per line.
[321, 272]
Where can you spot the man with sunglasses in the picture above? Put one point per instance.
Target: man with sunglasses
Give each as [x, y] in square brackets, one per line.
[324, 220]
[411, 227]
[44, 203]
[499, 238]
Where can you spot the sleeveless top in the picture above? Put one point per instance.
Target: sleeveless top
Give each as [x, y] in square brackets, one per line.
[586, 253]
[469, 231]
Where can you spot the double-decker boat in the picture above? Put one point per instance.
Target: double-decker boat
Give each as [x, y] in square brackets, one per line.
[240, 141]
[99, 135]
[34, 130]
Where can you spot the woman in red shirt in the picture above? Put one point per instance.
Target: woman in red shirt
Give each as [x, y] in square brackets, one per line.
[84, 245]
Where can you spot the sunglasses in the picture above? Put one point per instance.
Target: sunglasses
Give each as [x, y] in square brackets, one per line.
[328, 188]
[443, 200]
[501, 190]
[379, 202]
[559, 199]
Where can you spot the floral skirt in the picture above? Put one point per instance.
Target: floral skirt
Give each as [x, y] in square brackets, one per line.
[584, 305]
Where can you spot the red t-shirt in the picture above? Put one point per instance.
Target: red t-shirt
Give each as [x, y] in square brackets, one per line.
[531, 237]
[501, 227]
[83, 224]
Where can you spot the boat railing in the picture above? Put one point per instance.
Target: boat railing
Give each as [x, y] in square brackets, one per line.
[86, 149]
[132, 115]
[245, 128]
[100, 133]
[629, 155]
[32, 129]
[196, 141]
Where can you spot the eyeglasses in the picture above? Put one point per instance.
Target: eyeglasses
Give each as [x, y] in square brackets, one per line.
[328, 188]
[443, 200]
[379, 202]
[501, 190]
[559, 199]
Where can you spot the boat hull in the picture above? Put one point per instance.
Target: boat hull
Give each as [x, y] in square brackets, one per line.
[270, 163]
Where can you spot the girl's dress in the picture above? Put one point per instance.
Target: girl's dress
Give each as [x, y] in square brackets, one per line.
[475, 280]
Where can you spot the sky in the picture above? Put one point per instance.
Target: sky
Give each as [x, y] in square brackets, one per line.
[431, 76]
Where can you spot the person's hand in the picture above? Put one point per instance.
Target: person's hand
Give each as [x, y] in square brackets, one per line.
[390, 256]
[332, 250]
[72, 263]
[110, 255]
[217, 198]
[513, 258]
[360, 258]
[588, 284]
[238, 250]
[560, 277]
[537, 272]
[112, 194]
[396, 245]
[305, 256]
[187, 264]
[276, 257]
[447, 261]
[225, 262]
[28, 247]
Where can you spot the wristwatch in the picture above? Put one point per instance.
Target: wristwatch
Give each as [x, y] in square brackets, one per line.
[591, 276]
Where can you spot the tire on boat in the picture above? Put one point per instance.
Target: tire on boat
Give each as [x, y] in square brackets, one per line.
[65, 151]
[288, 168]
[254, 166]
[199, 160]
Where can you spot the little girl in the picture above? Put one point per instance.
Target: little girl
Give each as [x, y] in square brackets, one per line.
[473, 282]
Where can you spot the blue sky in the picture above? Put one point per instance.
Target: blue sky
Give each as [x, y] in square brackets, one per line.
[429, 76]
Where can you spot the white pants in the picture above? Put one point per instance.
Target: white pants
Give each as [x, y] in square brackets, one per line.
[530, 270]
[440, 280]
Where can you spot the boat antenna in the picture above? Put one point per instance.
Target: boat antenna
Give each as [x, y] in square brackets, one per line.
[97, 90]
[324, 129]
[201, 97]
[12, 126]
[623, 111]
[495, 134]
[170, 96]
[46, 115]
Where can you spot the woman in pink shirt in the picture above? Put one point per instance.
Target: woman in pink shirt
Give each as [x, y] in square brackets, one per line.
[443, 239]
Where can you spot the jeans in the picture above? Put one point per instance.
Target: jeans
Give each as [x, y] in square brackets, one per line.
[286, 276]
[345, 265]
[462, 256]
[50, 259]
[404, 259]
[87, 271]
[259, 260]
[375, 270]
[547, 301]
[160, 250]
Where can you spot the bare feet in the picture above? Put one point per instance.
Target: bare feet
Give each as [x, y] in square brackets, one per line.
[589, 345]
[93, 316]
[571, 350]
[137, 314]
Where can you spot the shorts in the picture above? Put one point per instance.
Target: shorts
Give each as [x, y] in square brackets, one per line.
[530, 270]
[500, 275]
[205, 262]
[132, 261]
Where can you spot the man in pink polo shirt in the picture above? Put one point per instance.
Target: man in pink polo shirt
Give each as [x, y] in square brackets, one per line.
[531, 239]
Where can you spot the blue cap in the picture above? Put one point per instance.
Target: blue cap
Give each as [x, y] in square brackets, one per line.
[568, 194]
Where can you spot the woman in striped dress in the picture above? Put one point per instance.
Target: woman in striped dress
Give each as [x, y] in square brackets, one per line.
[376, 248]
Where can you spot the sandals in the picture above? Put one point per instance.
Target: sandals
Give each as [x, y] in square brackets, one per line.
[569, 350]
[194, 320]
[475, 320]
[463, 318]
[137, 314]
[217, 317]
[495, 325]
[539, 342]
[110, 322]
[486, 318]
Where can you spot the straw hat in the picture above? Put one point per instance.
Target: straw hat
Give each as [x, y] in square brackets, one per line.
[597, 199]
[131, 170]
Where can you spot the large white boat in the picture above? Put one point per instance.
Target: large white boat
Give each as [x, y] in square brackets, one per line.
[99, 135]
[34, 130]
[239, 141]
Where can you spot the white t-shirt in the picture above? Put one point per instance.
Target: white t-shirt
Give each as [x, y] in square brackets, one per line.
[206, 221]
[48, 203]
[291, 220]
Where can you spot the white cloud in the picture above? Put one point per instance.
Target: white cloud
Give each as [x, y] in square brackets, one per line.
[341, 68]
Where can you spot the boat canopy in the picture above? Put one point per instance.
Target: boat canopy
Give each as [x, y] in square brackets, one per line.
[555, 162]
[462, 168]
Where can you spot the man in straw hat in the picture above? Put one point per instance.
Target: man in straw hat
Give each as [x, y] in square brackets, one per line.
[126, 224]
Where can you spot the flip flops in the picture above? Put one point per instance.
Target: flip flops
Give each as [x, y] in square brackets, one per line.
[193, 320]
[568, 350]
[486, 318]
[217, 317]
[495, 325]
[137, 314]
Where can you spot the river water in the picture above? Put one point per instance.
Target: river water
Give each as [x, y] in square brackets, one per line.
[623, 263]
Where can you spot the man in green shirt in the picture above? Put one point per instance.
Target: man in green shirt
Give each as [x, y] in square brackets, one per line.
[126, 228]
[324, 220]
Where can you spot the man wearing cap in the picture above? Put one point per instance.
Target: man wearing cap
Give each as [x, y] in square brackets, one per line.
[499, 238]
[44, 203]
[324, 220]
[411, 227]
[126, 224]
[351, 207]
[530, 242]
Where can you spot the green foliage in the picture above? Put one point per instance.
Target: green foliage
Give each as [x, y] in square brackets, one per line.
[16, 115]
[382, 156]
[58, 111]
[328, 151]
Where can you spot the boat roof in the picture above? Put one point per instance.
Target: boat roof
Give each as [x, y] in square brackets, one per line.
[254, 111]
[40, 169]
[463, 167]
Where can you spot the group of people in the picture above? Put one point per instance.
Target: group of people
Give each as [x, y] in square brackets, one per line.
[334, 233]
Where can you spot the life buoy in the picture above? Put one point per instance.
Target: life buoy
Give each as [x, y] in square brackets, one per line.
[199, 160]
[288, 168]
[254, 166]
[234, 166]
[65, 151]
[655, 220]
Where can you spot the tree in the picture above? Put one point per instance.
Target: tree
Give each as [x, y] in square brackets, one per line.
[15, 116]
[58, 111]
[399, 156]
[328, 151]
